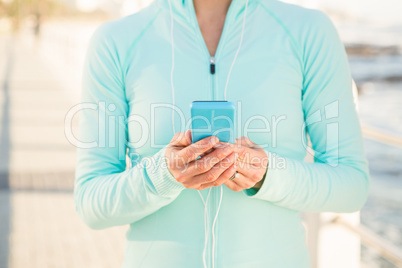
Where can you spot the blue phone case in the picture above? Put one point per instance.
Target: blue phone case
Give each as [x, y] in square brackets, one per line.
[213, 118]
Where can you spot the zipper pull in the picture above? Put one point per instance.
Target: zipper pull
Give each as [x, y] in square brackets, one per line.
[212, 65]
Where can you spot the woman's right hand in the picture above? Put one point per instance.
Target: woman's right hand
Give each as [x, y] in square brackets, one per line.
[215, 167]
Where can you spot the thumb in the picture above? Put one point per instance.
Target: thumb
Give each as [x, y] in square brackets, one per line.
[181, 139]
[188, 136]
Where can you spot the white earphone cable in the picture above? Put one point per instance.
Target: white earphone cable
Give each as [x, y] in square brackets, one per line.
[205, 202]
[213, 228]
[238, 49]
[172, 69]
[206, 220]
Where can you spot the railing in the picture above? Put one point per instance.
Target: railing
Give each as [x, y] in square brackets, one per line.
[373, 240]
[369, 238]
[381, 136]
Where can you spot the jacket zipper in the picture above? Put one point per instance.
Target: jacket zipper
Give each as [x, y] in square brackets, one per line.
[212, 60]
[212, 65]
[212, 72]
[212, 78]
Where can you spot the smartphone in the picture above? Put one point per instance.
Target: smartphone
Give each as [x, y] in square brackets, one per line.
[213, 118]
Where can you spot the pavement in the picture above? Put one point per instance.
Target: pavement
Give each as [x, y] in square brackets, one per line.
[38, 223]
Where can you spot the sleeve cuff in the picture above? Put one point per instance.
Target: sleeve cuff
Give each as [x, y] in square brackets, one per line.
[164, 182]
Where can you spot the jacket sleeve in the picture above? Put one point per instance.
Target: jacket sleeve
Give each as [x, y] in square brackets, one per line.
[338, 180]
[105, 193]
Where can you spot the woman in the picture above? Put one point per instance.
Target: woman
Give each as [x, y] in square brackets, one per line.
[287, 71]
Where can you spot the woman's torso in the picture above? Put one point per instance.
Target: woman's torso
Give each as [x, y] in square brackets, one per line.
[266, 84]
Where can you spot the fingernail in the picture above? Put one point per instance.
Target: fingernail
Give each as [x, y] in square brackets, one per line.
[218, 145]
[214, 140]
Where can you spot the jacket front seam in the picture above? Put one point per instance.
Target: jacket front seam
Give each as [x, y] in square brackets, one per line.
[131, 48]
[287, 31]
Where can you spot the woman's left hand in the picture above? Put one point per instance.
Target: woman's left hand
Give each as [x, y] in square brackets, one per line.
[252, 163]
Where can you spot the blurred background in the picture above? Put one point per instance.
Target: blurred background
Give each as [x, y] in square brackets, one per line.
[42, 49]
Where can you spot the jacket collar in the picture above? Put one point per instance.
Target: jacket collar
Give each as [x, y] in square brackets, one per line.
[183, 10]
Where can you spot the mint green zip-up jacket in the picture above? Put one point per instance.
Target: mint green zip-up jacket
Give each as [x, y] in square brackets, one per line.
[291, 79]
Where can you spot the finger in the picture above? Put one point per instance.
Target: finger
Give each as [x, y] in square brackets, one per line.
[239, 183]
[254, 156]
[224, 176]
[207, 152]
[233, 186]
[244, 141]
[188, 136]
[254, 173]
[215, 171]
[220, 144]
[181, 139]
[205, 163]
[244, 153]
[192, 151]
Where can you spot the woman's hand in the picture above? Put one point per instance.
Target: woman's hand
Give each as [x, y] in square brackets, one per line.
[214, 168]
[252, 163]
